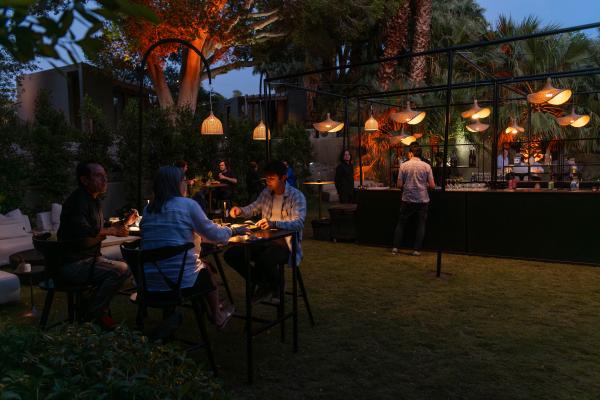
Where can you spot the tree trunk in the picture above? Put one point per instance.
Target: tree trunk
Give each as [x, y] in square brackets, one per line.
[155, 70]
[396, 41]
[190, 82]
[420, 39]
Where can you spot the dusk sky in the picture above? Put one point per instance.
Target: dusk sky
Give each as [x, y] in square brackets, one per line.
[548, 11]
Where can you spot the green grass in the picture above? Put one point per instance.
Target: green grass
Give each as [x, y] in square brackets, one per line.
[387, 328]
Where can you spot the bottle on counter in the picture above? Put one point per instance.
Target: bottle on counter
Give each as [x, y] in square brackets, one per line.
[551, 184]
[574, 184]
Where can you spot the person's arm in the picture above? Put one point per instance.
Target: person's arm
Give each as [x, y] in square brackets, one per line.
[255, 208]
[430, 180]
[231, 179]
[400, 182]
[297, 217]
[205, 227]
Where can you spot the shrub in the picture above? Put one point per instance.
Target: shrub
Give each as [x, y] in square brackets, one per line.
[82, 362]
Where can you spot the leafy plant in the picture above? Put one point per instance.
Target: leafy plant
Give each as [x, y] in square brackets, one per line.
[295, 147]
[83, 362]
[96, 136]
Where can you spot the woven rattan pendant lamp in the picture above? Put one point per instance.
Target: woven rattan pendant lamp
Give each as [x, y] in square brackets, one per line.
[371, 125]
[549, 94]
[476, 112]
[514, 127]
[328, 125]
[575, 120]
[211, 125]
[260, 132]
[408, 115]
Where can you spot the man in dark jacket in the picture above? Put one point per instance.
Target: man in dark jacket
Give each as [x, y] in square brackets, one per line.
[344, 178]
[82, 232]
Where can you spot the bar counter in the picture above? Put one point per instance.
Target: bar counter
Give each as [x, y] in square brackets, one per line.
[540, 224]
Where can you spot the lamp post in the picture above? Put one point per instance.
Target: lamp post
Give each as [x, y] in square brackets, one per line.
[141, 99]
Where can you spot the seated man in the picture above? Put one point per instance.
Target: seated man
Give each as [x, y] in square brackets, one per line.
[82, 231]
[280, 206]
[225, 176]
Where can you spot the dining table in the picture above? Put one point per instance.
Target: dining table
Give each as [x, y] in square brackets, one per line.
[319, 184]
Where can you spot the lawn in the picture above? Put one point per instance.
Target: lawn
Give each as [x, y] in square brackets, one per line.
[387, 328]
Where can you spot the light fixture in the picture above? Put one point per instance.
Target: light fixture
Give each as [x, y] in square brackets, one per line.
[573, 119]
[260, 132]
[407, 141]
[477, 126]
[476, 112]
[514, 127]
[328, 125]
[549, 94]
[211, 125]
[408, 115]
[371, 124]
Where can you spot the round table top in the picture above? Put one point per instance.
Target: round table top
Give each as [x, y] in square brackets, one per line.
[319, 183]
[212, 185]
[31, 256]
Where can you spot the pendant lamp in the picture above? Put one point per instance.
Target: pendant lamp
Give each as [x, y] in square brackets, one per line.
[514, 127]
[575, 120]
[408, 116]
[211, 125]
[260, 132]
[476, 112]
[328, 125]
[549, 94]
[371, 124]
[477, 126]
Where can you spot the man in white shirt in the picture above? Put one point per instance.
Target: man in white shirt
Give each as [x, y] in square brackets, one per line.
[415, 178]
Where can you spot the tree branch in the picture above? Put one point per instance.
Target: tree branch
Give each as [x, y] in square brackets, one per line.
[226, 68]
[263, 24]
[263, 14]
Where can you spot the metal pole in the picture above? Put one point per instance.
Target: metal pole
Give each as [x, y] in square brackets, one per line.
[358, 122]
[141, 101]
[346, 139]
[495, 126]
[268, 123]
[443, 183]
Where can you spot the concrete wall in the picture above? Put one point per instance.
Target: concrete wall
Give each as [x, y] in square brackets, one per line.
[29, 86]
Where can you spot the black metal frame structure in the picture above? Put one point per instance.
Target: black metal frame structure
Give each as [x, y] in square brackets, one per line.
[448, 87]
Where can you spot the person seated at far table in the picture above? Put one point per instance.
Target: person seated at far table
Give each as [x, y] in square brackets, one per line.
[280, 206]
[225, 176]
[171, 220]
[82, 232]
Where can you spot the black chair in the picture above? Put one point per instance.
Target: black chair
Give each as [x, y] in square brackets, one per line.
[53, 252]
[209, 249]
[166, 300]
[302, 293]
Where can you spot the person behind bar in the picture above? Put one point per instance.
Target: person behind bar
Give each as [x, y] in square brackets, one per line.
[82, 232]
[280, 206]
[344, 178]
[415, 177]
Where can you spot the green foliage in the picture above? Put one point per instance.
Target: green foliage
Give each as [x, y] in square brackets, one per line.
[83, 362]
[295, 147]
[52, 161]
[29, 31]
[13, 164]
[97, 137]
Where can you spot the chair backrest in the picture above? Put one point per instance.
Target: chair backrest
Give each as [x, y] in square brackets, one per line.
[53, 252]
[136, 258]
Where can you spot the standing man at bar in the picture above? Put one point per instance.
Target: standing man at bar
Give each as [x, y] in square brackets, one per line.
[280, 206]
[415, 178]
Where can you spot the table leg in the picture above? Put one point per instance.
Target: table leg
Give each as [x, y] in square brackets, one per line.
[294, 294]
[33, 311]
[210, 201]
[320, 197]
[248, 313]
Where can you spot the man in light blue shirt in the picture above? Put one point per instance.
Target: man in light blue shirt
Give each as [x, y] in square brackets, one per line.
[280, 206]
[415, 178]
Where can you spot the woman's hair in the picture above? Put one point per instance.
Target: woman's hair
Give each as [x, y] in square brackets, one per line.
[166, 186]
[342, 156]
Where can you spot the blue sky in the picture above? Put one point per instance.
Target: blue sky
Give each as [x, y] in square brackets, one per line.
[548, 11]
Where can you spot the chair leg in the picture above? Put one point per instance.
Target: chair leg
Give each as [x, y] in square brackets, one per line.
[71, 306]
[223, 277]
[199, 310]
[139, 319]
[281, 306]
[46, 311]
[305, 298]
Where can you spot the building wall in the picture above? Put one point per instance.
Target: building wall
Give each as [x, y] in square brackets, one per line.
[52, 81]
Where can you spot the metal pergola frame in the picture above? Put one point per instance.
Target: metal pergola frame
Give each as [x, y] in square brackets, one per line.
[448, 87]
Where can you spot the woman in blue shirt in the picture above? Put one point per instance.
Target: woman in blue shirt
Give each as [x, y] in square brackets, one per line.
[171, 220]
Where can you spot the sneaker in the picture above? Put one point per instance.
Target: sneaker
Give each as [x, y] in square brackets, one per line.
[415, 253]
[106, 322]
[226, 314]
[394, 251]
